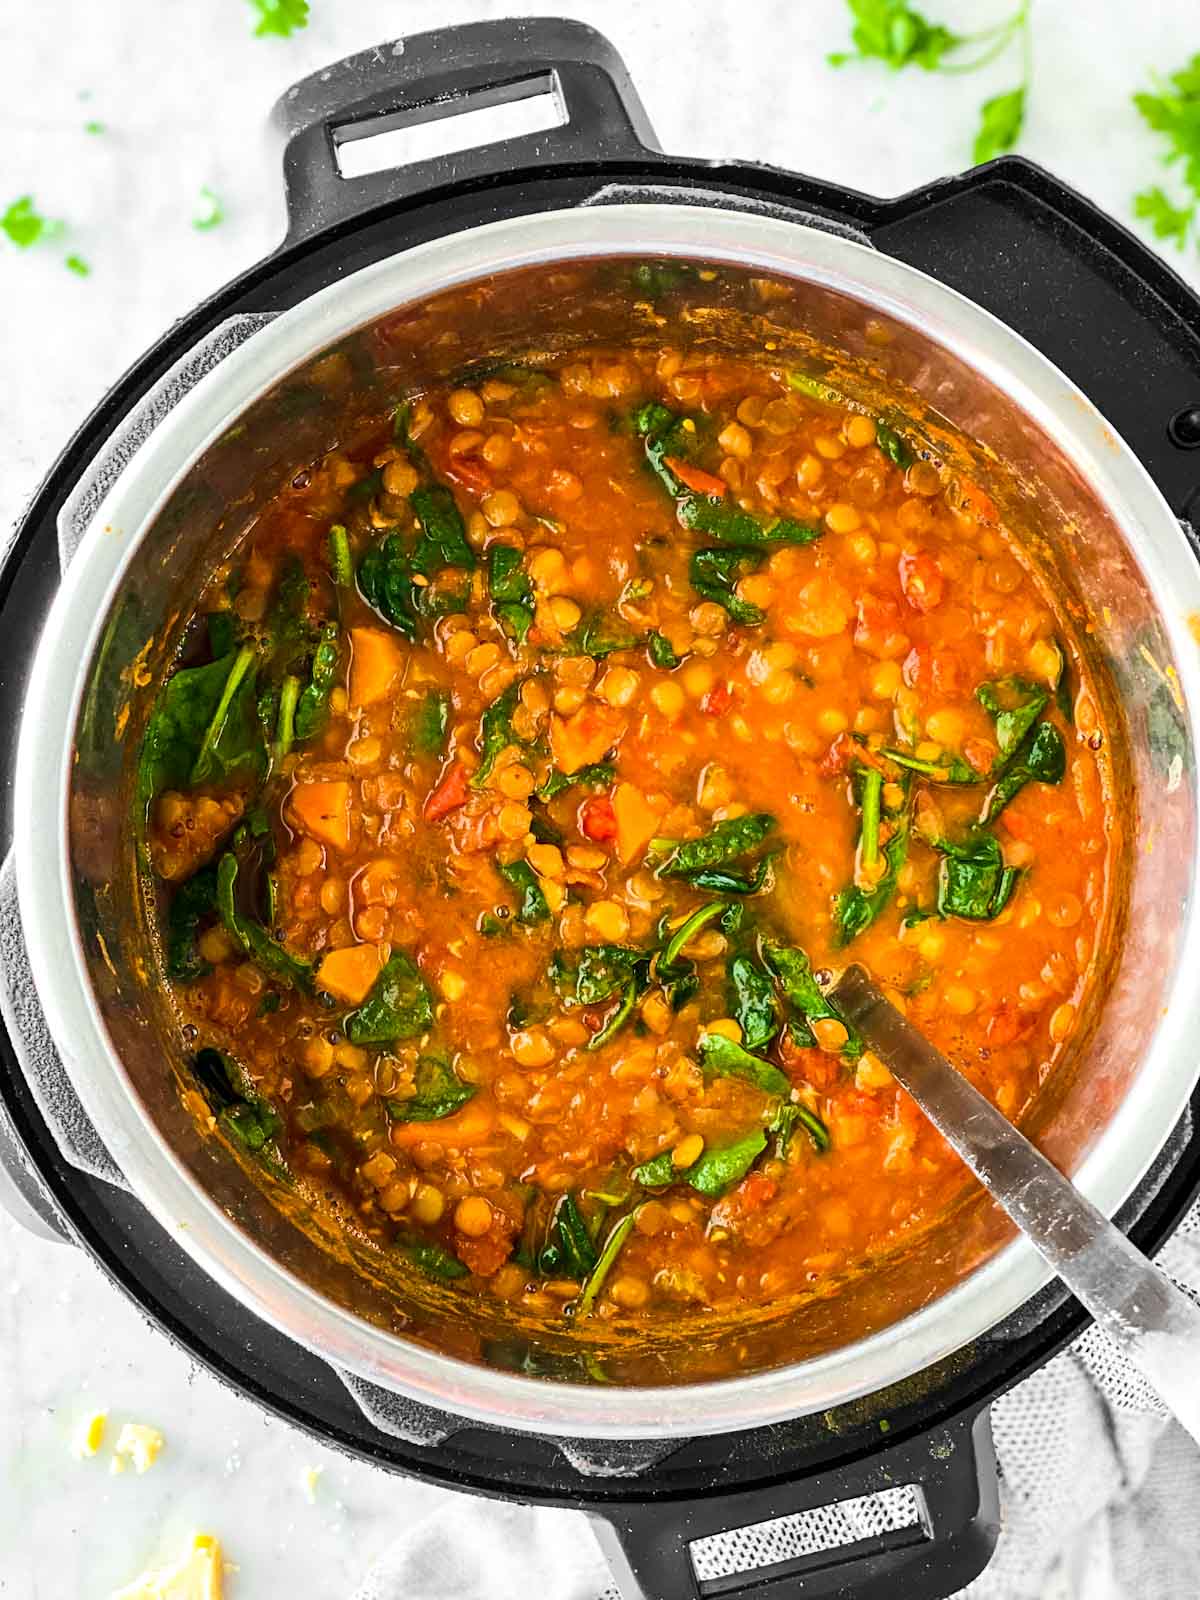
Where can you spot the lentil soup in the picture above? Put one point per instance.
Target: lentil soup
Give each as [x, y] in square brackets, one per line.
[530, 766]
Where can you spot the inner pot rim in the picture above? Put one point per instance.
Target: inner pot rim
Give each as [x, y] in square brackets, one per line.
[1109, 1173]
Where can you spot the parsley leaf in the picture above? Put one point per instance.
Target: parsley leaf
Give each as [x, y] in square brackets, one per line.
[279, 18]
[891, 31]
[25, 225]
[209, 211]
[1174, 112]
[1167, 221]
[1000, 122]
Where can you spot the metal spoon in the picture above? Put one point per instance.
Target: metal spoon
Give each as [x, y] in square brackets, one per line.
[1153, 1323]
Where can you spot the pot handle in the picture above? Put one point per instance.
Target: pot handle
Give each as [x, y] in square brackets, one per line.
[919, 1520]
[1106, 309]
[445, 73]
[43, 1073]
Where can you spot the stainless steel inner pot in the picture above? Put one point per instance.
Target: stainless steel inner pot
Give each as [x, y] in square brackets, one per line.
[1103, 532]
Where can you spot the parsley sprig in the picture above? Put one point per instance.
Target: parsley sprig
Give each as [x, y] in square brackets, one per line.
[279, 18]
[895, 33]
[1174, 112]
[23, 225]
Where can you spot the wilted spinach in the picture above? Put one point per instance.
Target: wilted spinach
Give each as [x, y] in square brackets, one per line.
[399, 1006]
[439, 1093]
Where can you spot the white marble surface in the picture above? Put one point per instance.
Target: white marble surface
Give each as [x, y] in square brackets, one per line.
[183, 91]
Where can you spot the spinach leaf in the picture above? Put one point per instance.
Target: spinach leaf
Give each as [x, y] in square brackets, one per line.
[245, 1114]
[278, 708]
[714, 574]
[569, 1248]
[894, 446]
[724, 842]
[191, 903]
[661, 653]
[613, 1246]
[179, 725]
[222, 632]
[531, 902]
[253, 938]
[600, 972]
[312, 708]
[857, 908]
[669, 437]
[1064, 699]
[496, 732]
[511, 591]
[600, 634]
[721, 1058]
[657, 278]
[719, 880]
[973, 881]
[1042, 759]
[399, 1006]
[658, 1172]
[387, 582]
[804, 994]
[443, 539]
[791, 1115]
[598, 776]
[719, 1169]
[1014, 705]
[950, 769]
[429, 723]
[429, 1257]
[622, 1012]
[439, 1093]
[688, 929]
[341, 562]
[751, 1001]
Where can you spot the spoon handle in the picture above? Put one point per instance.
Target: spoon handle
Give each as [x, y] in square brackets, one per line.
[1143, 1313]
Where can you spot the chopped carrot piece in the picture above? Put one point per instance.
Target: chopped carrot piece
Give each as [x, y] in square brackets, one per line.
[586, 736]
[451, 792]
[475, 1124]
[375, 662]
[349, 972]
[698, 481]
[637, 821]
[323, 810]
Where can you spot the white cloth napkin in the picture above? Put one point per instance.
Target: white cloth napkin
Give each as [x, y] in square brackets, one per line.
[1100, 1494]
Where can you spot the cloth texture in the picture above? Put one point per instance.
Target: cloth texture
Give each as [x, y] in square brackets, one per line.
[1100, 1498]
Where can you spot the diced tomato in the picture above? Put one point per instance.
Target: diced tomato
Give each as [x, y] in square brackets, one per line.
[470, 473]
[878, 630]
[694, 478]
[922, 581]
[1007, 1023]
[926, 668]
[836, 758]
[1013, 822]
[973, 502]
[450, 793]
[817, 1068]
[980, 753]
[597, 819]
[718, 700]
[750, 1196]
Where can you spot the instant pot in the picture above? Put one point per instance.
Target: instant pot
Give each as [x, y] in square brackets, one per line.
[1019, 315]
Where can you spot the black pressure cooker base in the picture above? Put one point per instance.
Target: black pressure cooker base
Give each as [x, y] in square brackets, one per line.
[1081, 289]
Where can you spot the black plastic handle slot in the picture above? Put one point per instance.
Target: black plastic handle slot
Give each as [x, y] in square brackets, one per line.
[437, 129]
[951, 1472]
[448, 72]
